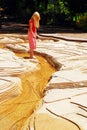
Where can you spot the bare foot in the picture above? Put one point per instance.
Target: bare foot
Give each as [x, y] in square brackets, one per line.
[32, 57]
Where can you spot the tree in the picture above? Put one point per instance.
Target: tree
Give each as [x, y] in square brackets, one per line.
[77, 6]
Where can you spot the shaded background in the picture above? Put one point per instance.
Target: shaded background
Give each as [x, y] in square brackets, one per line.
[65, 13]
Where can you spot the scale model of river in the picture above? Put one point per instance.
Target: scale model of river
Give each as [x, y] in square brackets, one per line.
[14, 112]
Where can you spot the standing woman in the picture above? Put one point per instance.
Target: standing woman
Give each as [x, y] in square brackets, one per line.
[32, 32]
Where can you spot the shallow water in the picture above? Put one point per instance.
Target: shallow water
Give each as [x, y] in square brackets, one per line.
[14, 112]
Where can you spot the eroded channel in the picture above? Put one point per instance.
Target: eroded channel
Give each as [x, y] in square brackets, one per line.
[15, 111]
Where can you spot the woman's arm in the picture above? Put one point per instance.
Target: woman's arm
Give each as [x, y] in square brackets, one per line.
[30, 28]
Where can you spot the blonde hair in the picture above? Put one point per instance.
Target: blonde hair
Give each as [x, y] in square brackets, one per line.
[36, 17]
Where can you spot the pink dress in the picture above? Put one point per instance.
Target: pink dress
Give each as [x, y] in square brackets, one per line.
[32, 39]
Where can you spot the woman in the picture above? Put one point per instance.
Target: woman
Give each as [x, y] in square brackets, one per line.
[32, 32]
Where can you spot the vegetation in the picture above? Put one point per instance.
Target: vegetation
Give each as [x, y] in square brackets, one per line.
[53, 12]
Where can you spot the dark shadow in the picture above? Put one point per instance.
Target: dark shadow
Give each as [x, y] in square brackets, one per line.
[59, 29]
[26, 57]
[14, 27]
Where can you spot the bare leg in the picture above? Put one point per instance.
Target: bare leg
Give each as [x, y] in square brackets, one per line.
[31, 53]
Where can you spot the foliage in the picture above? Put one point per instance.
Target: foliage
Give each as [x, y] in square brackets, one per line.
[81, 22]
[54, 12]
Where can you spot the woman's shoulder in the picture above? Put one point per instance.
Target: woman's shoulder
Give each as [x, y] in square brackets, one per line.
[31, 21]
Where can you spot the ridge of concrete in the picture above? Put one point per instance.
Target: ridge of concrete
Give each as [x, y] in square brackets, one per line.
[67, 38]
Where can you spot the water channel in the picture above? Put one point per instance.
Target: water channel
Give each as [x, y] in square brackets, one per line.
[14, 112]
